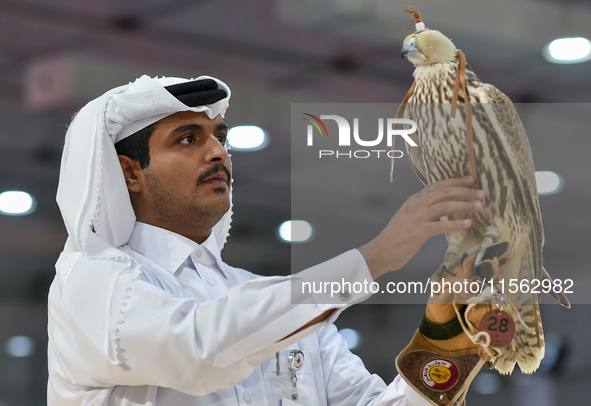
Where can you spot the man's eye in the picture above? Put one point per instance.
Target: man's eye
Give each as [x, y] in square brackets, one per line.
[189, 139]
[222, 139]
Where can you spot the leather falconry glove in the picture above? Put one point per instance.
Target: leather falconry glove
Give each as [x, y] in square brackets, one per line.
[448, 350]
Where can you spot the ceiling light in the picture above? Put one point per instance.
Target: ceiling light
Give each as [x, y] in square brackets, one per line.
[15, 203]
[548, 182]
[20, 346]
[568, 50]
[247, 137]
[295, 231]
[352, 337]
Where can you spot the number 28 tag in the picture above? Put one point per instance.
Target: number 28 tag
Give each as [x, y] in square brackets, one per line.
[500, 326]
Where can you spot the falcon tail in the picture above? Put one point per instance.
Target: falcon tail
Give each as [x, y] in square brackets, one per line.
[527, 348]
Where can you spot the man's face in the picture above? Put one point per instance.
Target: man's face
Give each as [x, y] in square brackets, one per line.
[187, 183]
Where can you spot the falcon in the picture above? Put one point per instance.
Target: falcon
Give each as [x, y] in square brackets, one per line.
[468, 127]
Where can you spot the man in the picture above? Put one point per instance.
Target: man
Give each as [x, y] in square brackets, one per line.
[143, 311]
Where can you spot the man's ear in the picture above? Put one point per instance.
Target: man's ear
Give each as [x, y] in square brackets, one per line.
[132, 172]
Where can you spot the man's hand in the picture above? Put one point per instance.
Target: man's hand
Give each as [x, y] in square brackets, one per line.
[416, 222]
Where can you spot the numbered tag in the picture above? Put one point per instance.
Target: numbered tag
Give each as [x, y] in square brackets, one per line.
[500, 326]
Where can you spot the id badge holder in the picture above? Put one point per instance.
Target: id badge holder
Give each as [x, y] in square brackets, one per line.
[289, 402]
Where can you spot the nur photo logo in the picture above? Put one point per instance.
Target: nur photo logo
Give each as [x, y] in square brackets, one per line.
[392, 128]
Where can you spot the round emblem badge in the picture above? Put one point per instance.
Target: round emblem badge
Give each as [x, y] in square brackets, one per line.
[439, 374]
[295, 360]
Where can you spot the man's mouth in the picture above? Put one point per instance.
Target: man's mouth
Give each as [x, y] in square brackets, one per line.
[217, 179]
[216, 176]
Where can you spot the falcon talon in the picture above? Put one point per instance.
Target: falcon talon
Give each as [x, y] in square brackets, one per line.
[496, 251]
[485, 244]
[485, 270]
[466, 255]
[445, 269]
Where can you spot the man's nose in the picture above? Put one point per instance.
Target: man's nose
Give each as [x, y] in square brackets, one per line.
[215, 151]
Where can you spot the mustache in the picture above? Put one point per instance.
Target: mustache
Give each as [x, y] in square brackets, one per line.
[212, 171]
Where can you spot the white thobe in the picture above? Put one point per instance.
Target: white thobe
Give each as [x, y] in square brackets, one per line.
[184, 328]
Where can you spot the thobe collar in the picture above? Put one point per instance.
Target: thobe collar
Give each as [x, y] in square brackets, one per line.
[171, 250]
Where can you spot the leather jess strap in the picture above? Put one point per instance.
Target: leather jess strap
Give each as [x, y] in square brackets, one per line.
[461, 82]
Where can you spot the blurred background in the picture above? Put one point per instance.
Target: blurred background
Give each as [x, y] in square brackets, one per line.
[56, 55]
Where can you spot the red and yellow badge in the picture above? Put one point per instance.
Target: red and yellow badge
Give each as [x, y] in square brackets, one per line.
[439, 374]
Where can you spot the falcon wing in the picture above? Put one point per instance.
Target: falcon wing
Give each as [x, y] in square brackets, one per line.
[513, 139]
[511, 134]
